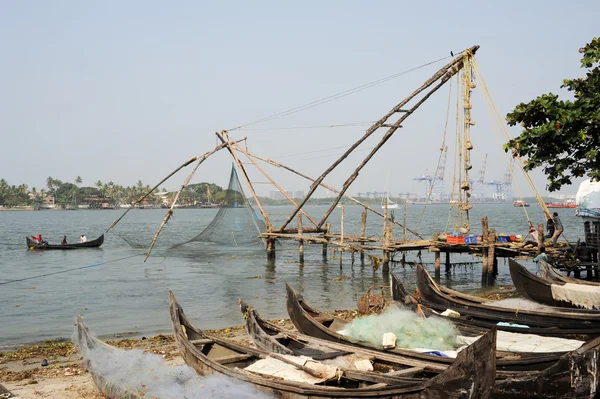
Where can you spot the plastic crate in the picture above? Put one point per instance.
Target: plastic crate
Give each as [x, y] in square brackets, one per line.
[471, 240]
[503, 239]
[455, 240]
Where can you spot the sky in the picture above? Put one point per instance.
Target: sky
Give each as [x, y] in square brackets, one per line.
[127, 91]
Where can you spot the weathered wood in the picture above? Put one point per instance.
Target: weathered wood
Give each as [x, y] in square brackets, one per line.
[445, 73]
[232, 358]
[540, 238]
[333, 190]
[491, 258]
[342, 227]
[363, 230]
[386, 238]
[484, 229]
[186, 163]
[301, 241]
[438, 262]
[199, 162]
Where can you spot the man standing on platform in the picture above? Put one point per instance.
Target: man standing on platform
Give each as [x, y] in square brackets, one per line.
[558, 228]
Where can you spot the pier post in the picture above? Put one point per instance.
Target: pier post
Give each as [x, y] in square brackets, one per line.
[540, 239]
[270, 248]
[328, 228]
[448, 265]
[484, 241]
[363, 230]
[301, 241]
[386, 239]
[342, 227]
[491, 258]
[438, 260]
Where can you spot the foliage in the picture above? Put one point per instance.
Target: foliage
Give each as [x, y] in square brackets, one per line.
[13, 195]
[563, 136]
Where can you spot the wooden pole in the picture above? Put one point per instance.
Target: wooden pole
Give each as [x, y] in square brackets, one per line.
[170, 211]
[363, 231]
[333, 190]
[342, 227]
[386, 238]
[271, 248]
[325, 236]
[484, 229]
[281, 190]
[450, 69]
[540, 239]
[448, 265]
[224, 137]
[404, 221]
[491, 251]
[301, 241]
[186, 163]
[438, 261]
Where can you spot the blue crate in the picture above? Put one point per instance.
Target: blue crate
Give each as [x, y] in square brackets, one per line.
[471, 239]
[503, 239]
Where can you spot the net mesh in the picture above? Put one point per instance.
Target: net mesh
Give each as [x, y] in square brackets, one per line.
[230, 223]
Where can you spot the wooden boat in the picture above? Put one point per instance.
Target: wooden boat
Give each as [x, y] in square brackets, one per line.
[5, 393]
[87, 342]
[553, 382]
[313, 322]
[89, 244]
[548, 292]
[468, 376]
[550, 273]
[559, 322]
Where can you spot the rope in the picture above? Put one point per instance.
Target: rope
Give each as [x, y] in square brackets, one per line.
[70, 270]
[338, 95]
[495, 124]
[312, 127]
[443, 148]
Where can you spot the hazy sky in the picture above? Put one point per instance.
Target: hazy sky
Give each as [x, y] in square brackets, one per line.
[128, 90]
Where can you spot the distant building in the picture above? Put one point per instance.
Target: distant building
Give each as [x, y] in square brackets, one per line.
[298, 194]
[278, 195]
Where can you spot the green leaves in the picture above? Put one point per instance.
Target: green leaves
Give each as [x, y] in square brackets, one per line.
[563, 137]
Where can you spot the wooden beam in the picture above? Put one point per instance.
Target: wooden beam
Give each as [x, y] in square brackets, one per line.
[451, 67]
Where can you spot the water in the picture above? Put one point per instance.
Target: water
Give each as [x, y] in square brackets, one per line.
[127, 295]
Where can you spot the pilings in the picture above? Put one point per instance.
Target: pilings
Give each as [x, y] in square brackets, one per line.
[363, 230]
[300, 241]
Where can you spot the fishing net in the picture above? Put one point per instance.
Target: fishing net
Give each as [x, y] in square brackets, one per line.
[229, 223]
[411, 330]
[120, 373]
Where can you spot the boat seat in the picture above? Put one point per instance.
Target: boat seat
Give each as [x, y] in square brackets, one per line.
[323, 318]
[232, 358]
[204, 341]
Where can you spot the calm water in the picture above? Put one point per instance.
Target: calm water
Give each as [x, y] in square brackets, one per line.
[127, 295]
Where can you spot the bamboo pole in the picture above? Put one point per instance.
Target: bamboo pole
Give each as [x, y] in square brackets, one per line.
[186, 163]
[383, 140]
[281, 190]
[222, 136]
[301, 241]
[386, 238]
[451, 68]
[325, 236]
[183, 186]
[342, 227]
[333, 190]
[540, 238]
[491, 251]
[363, 230]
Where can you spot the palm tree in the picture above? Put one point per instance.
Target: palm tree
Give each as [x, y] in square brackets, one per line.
[78, 181]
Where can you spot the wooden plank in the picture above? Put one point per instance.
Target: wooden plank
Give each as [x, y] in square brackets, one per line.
[232, 358]
[202, 341]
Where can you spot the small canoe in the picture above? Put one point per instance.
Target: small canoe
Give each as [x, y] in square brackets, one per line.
[471, 375]
[89, 244]
[550, 273]
[583, 297]
[314, 323]
[553, 382]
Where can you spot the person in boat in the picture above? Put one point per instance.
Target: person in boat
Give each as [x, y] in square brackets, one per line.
[39, 239]
[64, 240]
[532, 237]
[83, 238]
[541, 256]
[558, 228]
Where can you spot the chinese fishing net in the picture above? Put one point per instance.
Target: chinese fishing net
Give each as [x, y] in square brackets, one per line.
[228, 224]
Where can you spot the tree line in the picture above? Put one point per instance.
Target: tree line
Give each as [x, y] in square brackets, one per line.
[70, 194]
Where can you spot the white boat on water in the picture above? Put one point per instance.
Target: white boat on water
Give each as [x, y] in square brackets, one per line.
[390, 204]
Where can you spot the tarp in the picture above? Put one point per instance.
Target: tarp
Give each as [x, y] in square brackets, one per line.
[585, 296]
[588, 199]
[517, 342]
[288, 372]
